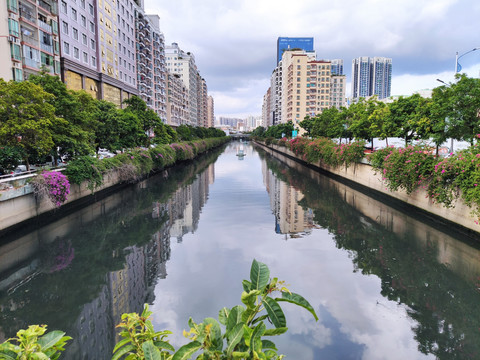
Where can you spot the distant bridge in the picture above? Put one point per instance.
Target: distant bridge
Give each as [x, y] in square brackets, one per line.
[240, 136]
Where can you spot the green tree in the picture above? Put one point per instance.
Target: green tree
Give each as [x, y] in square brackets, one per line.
[26, 118]
[462, 100]
[403, 117]
[75, 135]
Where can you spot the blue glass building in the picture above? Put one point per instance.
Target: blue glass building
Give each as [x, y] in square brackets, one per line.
[285, 43]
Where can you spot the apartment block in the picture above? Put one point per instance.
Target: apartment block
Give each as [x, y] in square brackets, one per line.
[33, 38]
[371, 76]
[150, 58]
[178, 112]
[183, 64]
[210, 112]
[97, 42]
[6, 62]
[202, 101]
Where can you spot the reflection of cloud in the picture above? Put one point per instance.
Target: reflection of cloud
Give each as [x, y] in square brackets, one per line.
[208, 267]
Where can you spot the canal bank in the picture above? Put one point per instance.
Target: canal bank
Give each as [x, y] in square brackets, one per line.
[362, 175]
[20, 208]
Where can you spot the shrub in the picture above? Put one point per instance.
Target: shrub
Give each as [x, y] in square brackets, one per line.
[52, 185]
[85, 168]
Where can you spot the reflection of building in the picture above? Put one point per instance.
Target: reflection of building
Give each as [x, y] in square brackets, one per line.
[290, 217]
[187, 203]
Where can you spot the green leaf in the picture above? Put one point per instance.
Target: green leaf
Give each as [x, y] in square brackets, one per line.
[257, 333]
[298, 300]
[215, 333]
[275, 312]
[261, 318]
[234, 336]
[39, 356]
[50, 339]
[187, 350]
[164, 345]
[150, 351]
[8, 355]
[247, 285]
[234, 317]
[122, 351]
[223, 315]
[249, 298]
[267, 344]
[277, 331]
[120, 344]
[240, 354]
[259, 275]
[247, 314]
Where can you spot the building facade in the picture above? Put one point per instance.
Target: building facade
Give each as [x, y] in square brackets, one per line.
[178, 112]
[210, 111]
[150, 60]
[97, 43]
[33, 37]
[371, 76]
[183, 64]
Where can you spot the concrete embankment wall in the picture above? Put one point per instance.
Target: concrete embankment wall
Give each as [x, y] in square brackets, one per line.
[364, 175]
[19, 205]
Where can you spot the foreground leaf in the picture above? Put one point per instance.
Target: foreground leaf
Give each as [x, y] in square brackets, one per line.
[275, 312]
[50, 339]
[298, 300]
[259, 275]
[274, 332]
[234, 337]
[187, 350]
[150, 351]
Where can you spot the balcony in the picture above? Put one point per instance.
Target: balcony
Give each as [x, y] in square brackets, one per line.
[45, 27]
[31, 63]
[46, 48]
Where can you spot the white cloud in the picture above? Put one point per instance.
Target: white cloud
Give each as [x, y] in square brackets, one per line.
[234, 42]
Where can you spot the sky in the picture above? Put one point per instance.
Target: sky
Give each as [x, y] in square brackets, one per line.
[234, 42]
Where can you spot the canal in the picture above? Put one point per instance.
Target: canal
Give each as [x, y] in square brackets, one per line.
[386, 283]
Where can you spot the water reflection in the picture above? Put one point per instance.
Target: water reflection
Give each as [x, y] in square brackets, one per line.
[384, 284]
[81, 273]
[436, 276]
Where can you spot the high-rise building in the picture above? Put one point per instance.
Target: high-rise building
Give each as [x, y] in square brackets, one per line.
[177, 101]
[290, 43]
[6, 45]
[97, 43]
[336, 67]
[371, 76]
[210, 112]
[150, 60]
[33, 37]
[183, 64]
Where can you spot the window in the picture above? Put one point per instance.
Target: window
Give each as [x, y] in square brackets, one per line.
[15, 50]
[76, 53]
[90, 9]
[82, 4]
[64, 27]
[73, 14]
[93, 61]
[66, 48]
[85, 57]
[84, 39]
[64, 7]
[17, 75]
[13, 27]
[75, 33]
[83, 21]
[92, 44]
[92, 27]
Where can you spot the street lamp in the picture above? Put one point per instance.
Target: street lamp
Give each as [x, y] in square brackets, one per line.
[457, 70]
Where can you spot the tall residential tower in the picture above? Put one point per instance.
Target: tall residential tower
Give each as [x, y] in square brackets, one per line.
[371, 76]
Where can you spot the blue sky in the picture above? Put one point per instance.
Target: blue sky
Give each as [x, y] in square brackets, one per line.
[234, 42]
